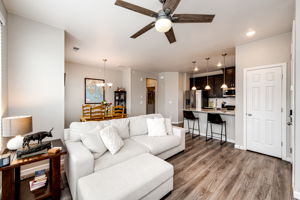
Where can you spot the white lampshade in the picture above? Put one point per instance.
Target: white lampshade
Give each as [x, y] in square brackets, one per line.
[207, 87]
[18, 125]
[109, 84]
[100, 84]
[194, 88]
[224, 86]
[163, 25]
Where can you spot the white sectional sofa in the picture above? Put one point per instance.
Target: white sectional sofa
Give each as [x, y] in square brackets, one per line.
[86, 171]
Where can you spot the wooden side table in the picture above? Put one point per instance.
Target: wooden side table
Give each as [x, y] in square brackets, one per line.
[12, 184]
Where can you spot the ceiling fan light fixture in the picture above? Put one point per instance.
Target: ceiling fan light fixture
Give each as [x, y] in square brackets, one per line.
[163, 22]
[163, 25]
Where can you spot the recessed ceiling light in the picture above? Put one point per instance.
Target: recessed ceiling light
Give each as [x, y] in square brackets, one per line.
[250, 33]
[219, 64]
[196, 69]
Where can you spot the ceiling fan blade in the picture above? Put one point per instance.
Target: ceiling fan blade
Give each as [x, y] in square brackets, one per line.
[136, 8]
[143, 30]
[192, 18]
[171, 36]
[171, 5]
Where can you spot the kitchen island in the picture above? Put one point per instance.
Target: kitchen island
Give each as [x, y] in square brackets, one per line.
[226, 115]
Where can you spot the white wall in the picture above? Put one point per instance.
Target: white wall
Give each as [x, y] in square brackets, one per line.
[4, 73]
[263, 52]
[36, 73]
[126, 79]
[181, 89]
[171, 87]
[74, 90]
[139, 91]
[297, 104]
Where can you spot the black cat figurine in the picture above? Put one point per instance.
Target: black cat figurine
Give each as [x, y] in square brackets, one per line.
[39, 136]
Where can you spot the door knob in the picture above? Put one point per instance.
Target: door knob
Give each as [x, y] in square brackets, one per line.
[289, 123]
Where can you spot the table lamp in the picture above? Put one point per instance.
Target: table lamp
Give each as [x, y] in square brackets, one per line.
[15, 127]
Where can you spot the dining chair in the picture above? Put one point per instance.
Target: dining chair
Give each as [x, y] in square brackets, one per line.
[118, 112]
[86, 112]
[98, 112]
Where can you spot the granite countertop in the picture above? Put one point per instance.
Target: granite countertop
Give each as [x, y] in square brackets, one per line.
[221, 112]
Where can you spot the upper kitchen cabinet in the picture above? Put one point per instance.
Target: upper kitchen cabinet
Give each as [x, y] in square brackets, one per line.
[230, 77]
[215, 82]
[218, 82]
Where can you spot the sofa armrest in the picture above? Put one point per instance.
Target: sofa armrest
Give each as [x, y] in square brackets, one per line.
[66, 134]
[78, 163]
[180, 132]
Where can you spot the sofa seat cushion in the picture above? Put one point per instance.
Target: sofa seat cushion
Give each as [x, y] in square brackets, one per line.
[158, 145]
[131, 179]
[130, 149]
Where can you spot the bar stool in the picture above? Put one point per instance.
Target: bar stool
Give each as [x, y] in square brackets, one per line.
[216, 119]
[189, 116]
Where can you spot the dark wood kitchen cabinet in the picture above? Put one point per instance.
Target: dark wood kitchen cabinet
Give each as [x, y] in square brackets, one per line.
[218, 91]
[230, 77]
[215, 82]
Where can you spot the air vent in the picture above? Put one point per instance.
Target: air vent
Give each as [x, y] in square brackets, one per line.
[76, 48]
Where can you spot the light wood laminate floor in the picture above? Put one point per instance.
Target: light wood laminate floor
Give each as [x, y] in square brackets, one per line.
[207, 170]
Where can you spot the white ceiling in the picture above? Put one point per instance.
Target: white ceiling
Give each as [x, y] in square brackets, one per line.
[103, 30]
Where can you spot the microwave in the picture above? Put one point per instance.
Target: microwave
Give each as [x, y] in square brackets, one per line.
[229, 92]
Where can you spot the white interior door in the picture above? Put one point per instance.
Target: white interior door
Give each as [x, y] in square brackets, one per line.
[264, 90]
[292, 108]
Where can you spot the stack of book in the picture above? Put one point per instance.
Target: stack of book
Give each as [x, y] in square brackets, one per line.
[40, 180]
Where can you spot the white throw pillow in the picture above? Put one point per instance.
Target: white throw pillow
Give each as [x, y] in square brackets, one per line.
[138, 126]
[156, 127]
[111, 139]
[122, 125]
[169, 126]
[92, 140]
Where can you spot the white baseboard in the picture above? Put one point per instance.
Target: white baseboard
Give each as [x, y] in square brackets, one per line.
[296, 195]
[204, 134]
[240, 147]
[288, 159]
[30, 171]
[180, 122]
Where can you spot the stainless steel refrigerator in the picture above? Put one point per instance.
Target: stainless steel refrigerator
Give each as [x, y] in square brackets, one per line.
[195, 99]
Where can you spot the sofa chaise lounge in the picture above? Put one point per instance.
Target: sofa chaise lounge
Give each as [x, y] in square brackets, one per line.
[137, 171]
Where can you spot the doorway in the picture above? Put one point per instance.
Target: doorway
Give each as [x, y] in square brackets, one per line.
[265, 107]
[151, 85]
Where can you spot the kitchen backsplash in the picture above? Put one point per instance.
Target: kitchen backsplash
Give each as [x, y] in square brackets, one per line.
[217, 102]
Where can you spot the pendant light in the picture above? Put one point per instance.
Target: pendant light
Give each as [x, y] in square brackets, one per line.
[109, 84]
[207, 87]
[194, 87]
[224, 86]
[102, 84]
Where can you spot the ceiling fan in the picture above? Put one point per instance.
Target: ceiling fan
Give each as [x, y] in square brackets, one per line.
[164, 18]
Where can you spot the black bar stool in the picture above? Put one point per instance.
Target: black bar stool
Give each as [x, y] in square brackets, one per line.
[216, 119]
[189, 115]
